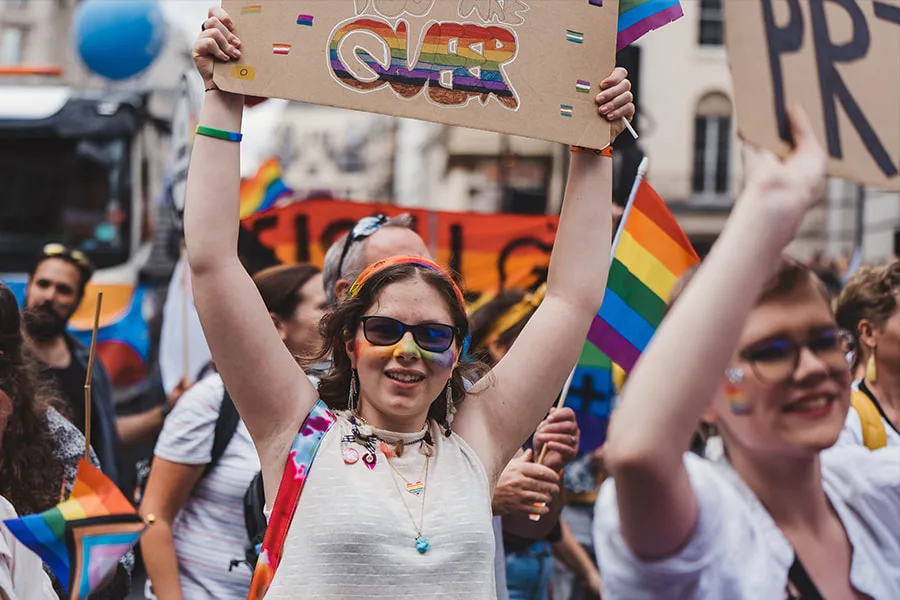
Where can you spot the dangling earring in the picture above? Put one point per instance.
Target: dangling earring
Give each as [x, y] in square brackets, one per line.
[736, 401]
[871, 369]
[448, 421]
[353, 398]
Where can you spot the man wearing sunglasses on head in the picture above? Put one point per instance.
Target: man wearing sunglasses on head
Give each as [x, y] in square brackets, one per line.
[372, 239]
[56, 285]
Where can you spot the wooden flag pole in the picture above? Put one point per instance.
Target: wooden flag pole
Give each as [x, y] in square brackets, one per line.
[87, 381]
[562, 403]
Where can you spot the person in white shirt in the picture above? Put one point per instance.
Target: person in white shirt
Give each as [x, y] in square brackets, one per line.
[22, 575]
[869, 308]
[753, 347]
[21, 570]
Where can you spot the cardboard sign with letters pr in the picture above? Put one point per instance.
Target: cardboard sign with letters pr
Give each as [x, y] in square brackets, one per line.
[525, 67]
[840, 60]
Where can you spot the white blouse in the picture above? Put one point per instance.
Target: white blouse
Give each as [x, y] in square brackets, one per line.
[739, 553]
[354, 532]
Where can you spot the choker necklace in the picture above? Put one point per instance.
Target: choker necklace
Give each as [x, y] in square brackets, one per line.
[371, 440]
[419, 487]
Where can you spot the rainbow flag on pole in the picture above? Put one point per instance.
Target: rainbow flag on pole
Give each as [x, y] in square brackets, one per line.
[639, 17]
[649, 254]
[82, 538]
[263, 190]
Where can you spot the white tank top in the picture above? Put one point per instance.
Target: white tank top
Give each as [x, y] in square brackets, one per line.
[351, 536]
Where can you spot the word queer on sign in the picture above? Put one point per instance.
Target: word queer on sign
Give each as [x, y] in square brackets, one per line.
[840, 60]
[507, 66]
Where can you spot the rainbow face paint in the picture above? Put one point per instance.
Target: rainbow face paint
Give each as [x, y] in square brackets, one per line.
[442, 360]
[737, 403]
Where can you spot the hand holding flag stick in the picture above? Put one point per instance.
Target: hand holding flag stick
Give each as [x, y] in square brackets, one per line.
[540, 460]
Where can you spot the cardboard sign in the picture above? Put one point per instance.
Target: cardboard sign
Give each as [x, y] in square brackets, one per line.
[526, 67]
[839, 59]
[491, 251]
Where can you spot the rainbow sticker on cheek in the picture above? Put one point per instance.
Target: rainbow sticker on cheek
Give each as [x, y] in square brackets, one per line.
[736, 400]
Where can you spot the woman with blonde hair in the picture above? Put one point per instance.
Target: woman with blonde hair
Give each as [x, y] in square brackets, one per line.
[753, 347]
[869, 308]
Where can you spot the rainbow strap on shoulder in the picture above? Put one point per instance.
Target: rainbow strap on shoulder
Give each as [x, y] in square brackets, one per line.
[296, 469]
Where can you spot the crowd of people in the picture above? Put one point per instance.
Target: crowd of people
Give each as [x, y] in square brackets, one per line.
[362, 432]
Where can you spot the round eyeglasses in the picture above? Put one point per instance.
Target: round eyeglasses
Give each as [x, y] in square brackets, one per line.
[774, 361]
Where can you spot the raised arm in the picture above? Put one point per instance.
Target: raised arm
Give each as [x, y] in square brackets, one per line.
[271, 393]
[679, 373]
[526, 382]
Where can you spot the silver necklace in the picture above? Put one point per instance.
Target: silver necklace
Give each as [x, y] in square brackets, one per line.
[421, 541]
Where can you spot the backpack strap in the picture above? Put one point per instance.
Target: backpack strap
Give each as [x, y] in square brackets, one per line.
[873, 429]
[226, 426]
[296, 469]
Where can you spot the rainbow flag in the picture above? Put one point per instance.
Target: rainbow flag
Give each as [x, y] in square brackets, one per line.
[83, 538]
[650, 253]
[263, 190]
[639, 17]
[591, 396]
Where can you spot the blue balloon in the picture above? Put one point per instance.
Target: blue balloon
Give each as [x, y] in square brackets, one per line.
[118, 39]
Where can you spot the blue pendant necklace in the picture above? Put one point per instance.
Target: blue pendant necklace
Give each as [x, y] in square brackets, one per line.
[421, 541]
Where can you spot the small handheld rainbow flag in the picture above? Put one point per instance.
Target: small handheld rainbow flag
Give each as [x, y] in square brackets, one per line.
[649, 254]
[82, 538]
[639, 17]
[263, 190]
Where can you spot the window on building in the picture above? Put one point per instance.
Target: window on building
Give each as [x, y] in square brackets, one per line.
[712, 147]
[712, 30]
[12, 42]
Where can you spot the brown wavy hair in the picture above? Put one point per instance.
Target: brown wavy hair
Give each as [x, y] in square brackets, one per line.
[341, 326]
[30, 474]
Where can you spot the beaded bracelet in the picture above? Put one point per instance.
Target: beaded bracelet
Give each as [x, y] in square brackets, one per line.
[607, 152]
[229, 136]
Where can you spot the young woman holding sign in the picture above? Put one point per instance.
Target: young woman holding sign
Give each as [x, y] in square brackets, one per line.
[752, 346]
[397, 503]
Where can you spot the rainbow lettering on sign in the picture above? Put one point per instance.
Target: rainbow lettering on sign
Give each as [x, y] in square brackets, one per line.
[456, 62]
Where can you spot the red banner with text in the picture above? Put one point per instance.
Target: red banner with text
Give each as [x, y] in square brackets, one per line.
[492, 252]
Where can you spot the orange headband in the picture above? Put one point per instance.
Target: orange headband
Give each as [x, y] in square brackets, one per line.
[403, 260]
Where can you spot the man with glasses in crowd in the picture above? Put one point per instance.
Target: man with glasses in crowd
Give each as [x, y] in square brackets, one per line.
[56, 285]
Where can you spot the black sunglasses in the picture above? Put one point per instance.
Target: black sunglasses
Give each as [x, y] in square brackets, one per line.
[431, 337]
[363, 229]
